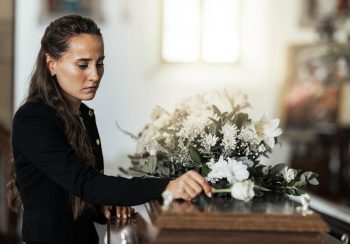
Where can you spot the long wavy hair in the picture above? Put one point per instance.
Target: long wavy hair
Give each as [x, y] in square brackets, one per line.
[44, 88]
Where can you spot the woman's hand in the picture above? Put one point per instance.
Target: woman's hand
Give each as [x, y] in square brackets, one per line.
[188, 186]
[120, 212]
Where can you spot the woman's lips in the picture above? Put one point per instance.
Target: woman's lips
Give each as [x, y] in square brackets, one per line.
[91, 89]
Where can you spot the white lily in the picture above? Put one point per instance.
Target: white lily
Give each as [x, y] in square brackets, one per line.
[268, 129]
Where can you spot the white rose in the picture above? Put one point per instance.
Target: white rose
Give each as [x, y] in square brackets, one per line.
[243, 190]
[289, 174]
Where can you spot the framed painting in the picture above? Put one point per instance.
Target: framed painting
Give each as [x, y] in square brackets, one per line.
[313, 11]
[312, 91]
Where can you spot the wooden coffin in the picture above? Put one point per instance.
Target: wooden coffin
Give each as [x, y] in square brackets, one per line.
[225, 220]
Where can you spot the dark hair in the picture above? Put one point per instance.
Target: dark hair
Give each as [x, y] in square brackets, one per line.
[44, 88]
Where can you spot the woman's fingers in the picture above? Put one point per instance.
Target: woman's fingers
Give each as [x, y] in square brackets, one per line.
[192, 187]
[107, 211]
[202, 182]
[124, 212]
[119, 211]
[130, 212]
[188, 186]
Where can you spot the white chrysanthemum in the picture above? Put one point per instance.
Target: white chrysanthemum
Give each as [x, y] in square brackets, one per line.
[194, 124]
[267, 130]
[229, 136]
[209, 141]
[243, 190]
[229, 130]
[249, 135]
[289, 174]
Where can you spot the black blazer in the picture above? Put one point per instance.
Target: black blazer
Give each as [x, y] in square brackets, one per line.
[48, 170]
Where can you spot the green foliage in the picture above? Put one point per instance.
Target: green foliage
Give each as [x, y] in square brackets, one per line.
[195, 156]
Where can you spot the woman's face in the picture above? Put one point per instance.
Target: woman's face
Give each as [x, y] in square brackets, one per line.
[79, 70]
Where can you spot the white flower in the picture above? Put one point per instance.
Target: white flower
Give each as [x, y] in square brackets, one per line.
[261, 148]
[160, 117]
[243, 190]
[229, 136]
[147, 139]
[229, 130]
[267, 130]
[209, 141]
[238, 171]
[193, 125]
[153, 152]
[211, 162]
[218, 170]
[236, 99]
[341, 36]
[289, 174]
[232, 170]
[249, 134]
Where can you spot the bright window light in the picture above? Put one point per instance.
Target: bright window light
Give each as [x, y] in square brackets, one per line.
[181, 20]
[220, 35]
[200, 30]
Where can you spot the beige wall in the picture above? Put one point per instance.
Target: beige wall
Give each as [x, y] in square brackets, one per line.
[136, 80]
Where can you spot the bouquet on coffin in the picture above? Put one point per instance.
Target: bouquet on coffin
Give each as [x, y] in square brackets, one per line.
[213, 134]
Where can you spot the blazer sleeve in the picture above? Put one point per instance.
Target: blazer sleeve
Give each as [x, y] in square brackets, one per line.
[37, 136]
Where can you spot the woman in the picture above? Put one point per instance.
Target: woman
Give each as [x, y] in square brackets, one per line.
[56, 147]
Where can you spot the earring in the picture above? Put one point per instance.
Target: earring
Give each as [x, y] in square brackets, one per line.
[53, 74]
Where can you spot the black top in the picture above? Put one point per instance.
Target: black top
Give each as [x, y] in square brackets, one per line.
[48, 170]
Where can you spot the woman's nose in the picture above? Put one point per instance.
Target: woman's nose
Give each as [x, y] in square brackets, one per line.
[95, 74]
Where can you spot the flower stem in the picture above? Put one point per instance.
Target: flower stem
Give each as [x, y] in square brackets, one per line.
[221, 190]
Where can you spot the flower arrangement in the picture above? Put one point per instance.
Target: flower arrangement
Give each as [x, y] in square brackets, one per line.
[213, 134]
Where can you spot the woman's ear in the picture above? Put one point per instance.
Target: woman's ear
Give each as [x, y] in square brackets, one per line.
[51, 64]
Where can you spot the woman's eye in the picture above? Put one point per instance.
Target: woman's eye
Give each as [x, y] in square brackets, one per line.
[82, 66]
[100, 64]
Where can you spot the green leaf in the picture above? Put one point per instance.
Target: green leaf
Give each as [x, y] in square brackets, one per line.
[152, 163]
[277, 168]
[313, 182]
[195, 156]
[299, 184]
[215, 121]
[205, 170]
[216, 110]
[261, 188]
[240, 119]
[132, 172]
[230, 115]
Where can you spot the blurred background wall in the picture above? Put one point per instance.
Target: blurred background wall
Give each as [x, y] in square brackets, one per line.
[137, 79]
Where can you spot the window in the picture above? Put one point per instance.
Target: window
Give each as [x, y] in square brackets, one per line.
[200, 30]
